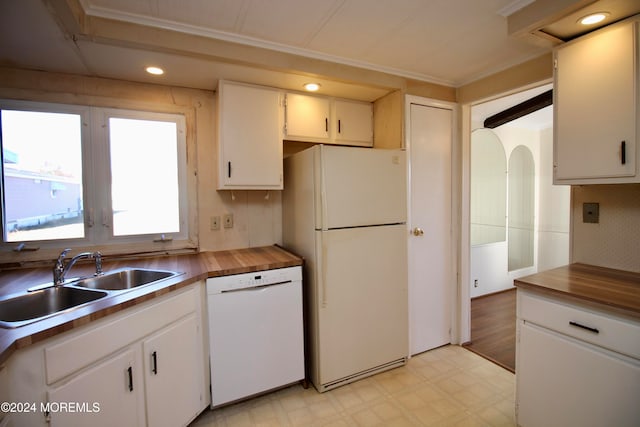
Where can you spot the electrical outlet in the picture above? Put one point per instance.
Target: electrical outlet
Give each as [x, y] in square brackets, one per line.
[475, 283]
[215, 223]
[228, 220]
[591, 213]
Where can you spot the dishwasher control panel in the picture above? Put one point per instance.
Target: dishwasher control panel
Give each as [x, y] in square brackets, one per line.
[253, 279]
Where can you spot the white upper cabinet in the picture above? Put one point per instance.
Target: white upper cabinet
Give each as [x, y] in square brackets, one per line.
[328, 120]
[596, 108]
[307, 118]
[250, 123]
[353, 122]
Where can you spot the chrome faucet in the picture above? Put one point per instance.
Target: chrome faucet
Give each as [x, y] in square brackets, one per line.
[60, 270]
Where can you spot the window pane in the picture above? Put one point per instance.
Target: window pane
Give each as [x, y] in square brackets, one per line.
[144, 177]
[42, 171]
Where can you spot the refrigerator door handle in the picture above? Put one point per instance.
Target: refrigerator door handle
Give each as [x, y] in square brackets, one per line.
[322, 276]
[323, 194]
[323, 272]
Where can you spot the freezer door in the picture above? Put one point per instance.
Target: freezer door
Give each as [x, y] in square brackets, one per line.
[361, 186]
[361, 300]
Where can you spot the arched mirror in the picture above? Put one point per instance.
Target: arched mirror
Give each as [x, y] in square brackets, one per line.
[521, 208]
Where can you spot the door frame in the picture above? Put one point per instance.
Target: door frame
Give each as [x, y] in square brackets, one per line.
[459, 313]
[465, 127]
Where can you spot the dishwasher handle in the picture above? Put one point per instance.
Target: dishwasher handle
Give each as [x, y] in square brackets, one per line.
[255, 288]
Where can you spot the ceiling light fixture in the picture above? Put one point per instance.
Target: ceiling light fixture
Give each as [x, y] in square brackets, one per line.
[312, 87]
[593, 18]
[156, 71]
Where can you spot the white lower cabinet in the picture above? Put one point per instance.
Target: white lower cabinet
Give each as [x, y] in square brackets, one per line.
[575, 367]
[111, 392]
[145, 366]
[173, 372]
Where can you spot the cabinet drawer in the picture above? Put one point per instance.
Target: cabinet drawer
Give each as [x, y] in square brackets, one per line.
[607, 331]
[69, 354]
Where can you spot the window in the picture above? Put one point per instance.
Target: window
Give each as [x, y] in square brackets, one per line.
[42, 165]
[88, 176]
[144, 177]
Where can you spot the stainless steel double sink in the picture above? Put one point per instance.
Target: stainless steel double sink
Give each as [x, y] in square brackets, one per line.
[47, 300]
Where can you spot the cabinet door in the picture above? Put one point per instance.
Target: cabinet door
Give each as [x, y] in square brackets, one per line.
[174, 374]
[307, 118]
[250, 137]
[354, 122]
[565, 382]
[595, 108]
[110, 393]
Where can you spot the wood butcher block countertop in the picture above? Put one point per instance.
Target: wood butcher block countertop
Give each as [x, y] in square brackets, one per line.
[194, 267]
[606, 288]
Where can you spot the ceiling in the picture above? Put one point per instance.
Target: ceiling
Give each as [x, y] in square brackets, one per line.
[444, 42]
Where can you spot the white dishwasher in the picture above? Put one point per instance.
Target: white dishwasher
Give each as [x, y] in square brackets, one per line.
[256, 332]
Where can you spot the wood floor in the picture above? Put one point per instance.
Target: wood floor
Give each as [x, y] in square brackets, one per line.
[493, 328]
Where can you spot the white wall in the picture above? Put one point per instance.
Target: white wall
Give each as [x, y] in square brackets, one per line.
[554, 211]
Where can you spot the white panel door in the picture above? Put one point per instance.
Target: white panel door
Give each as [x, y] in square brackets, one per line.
[362, 186]
[430, 266]
[362, 299]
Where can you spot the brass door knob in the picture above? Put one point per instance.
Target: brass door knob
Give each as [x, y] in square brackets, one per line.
[418, 231]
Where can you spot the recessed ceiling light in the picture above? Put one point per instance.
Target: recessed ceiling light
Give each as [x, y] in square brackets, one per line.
[312, 87]
[594, 18]
[156, 71]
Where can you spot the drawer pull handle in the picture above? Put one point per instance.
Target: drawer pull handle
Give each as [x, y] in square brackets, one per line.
[588, 328]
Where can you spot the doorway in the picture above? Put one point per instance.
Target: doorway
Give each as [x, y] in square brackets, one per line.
[535, 213]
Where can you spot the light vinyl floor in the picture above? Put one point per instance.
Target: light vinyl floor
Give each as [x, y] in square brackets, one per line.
[447, 386]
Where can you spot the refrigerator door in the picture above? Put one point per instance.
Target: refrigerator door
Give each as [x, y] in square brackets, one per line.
[360, 186]
[361, 302]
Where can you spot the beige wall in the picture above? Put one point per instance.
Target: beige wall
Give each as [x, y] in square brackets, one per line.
[257, 215]
[523, 76]
[615, 241]
[388, 120]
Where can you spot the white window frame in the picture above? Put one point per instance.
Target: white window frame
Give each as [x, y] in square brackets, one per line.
[96, 187]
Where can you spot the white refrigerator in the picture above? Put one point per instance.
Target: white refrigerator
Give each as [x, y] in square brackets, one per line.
[344, 211]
